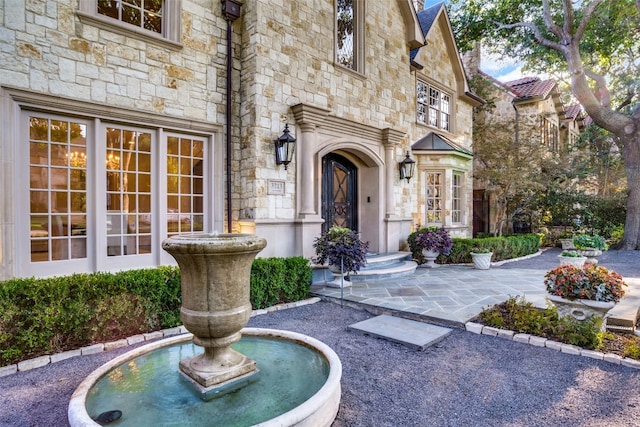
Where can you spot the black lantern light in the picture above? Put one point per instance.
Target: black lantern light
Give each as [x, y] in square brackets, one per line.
[407, 168]
[284, 147]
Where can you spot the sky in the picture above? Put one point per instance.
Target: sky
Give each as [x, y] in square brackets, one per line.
[491, 64]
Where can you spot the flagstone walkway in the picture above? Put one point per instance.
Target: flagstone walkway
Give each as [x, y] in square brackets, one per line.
[455, 294]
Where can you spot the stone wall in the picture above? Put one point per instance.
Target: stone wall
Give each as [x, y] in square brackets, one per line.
[47, 49]
[290, 60]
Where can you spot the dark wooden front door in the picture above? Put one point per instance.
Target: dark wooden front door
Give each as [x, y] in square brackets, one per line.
[480, 212]
[339, 192]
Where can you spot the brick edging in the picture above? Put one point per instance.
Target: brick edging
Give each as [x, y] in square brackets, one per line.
[40, 361]
[536, 341]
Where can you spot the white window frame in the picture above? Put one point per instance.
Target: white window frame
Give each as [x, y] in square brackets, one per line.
[170, 37]
[457, 197]
[425, 107]
[97, 259]
[441, 198]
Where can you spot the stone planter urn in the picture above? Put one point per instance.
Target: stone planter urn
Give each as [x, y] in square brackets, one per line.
[567, 244]
[340, 279]
[580, 309]
[430, 256]
[575, 261]
[481, 261]
[215, 271]
[591, 254]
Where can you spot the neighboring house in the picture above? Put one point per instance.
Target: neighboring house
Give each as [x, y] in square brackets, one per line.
[115, 136]
[573, 124]
[532, 108]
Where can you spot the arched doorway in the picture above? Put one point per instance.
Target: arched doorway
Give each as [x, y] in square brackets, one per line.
[339, 192]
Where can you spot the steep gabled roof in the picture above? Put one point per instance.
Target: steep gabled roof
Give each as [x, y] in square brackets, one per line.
[435, 142]
[426, 18]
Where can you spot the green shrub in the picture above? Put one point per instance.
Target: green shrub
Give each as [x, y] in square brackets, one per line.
[279, 280]
[44, 316]
[505, 247]
[518, 315]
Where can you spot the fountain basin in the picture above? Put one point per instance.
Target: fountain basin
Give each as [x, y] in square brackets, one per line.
[319, 409]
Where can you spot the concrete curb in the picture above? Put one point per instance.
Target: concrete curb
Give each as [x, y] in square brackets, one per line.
[40, 361]
[480, 329]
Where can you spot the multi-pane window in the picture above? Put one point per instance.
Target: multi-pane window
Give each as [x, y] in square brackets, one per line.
[456, 198]
[434, 197]
[58, 189]
[550, 137]
[433, 106]
[145, 14]
[157, 21]
[349, 31]
[185, 185]
[144, 189]
[128, 188]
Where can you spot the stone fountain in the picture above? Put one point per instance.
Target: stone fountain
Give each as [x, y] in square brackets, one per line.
[215, 274]
[141, 385]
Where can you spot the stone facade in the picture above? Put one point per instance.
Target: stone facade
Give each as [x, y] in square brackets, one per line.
[60, 59]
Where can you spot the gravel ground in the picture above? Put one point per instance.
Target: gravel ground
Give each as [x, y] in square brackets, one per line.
[465, 380]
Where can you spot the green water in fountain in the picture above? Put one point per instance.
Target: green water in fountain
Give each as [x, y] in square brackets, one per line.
[150, 391]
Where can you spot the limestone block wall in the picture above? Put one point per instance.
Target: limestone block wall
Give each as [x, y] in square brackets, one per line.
[47, 49]
[287, 59]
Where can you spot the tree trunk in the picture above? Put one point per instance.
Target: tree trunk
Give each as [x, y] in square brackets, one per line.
[627, 128]
[631, 238]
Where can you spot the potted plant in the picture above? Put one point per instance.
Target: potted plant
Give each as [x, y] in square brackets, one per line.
[583, 292]
[566, 240]
[431, 242]
[343, 250]
[572, 258]
[590, 246]
[481, 257]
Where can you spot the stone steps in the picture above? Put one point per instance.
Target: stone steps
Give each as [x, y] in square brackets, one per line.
[379, 266]
[624, 316]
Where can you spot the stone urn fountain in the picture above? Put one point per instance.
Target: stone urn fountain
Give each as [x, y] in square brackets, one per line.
[215, 272]
[169, 382]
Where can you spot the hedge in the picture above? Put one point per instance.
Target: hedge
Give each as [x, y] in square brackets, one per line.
[50, 315]
[503, 247]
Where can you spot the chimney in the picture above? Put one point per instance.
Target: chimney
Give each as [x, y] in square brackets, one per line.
[419, 5]
[471, 60]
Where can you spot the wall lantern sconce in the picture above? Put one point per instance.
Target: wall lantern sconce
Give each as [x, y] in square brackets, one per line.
[407, 168]
[284, 147]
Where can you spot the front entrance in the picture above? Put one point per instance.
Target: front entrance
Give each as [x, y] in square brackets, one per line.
[339, 192]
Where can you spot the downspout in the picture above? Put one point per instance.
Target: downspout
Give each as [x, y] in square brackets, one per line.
[517, 118]
[231, 12]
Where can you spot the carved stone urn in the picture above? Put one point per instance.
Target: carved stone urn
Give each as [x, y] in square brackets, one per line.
[215, 275]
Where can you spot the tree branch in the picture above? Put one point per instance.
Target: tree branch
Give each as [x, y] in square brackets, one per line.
[627, 100]
[601, 91]
[567, 7]
[548, 20]
[537, 34]
[588, 13]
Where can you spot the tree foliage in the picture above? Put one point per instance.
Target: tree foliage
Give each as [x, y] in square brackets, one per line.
[594, 44]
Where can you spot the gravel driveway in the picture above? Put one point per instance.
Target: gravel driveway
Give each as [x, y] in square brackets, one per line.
[465, 380]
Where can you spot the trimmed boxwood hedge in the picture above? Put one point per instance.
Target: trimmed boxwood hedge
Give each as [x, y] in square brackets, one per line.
[503, 247]
[45, 316]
